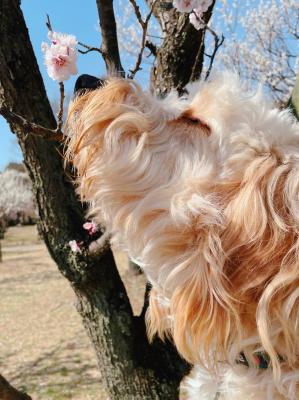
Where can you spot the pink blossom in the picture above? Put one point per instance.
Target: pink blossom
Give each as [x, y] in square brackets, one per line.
[189, 5]
[185, 5]
[196, 20]
[60, 56]
[91, 227]
[204, 5]
[74, 245]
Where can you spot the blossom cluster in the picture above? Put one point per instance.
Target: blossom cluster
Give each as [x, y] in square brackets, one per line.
[60, 56]
[196, 8]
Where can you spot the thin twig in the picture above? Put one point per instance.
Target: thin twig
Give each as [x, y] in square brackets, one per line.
[144, 26]
[89, 49]
[217, 43]
[109, 46]
[48, 23]
[61, 87]
[138, 13]
[152, 48]
[30, 127]
[60, 112]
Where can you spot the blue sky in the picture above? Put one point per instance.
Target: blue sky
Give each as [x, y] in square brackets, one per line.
[72, 16]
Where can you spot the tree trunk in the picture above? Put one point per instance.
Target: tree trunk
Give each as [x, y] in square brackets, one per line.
[180, 57]
[131, 369]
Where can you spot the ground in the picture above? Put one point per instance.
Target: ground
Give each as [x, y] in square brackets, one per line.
[43, 347]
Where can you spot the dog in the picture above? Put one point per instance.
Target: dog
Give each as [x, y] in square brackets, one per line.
[202, 191]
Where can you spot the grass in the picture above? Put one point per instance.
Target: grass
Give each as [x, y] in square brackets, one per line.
[44, 349]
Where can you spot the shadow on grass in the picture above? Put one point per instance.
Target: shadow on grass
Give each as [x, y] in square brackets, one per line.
[59, 374]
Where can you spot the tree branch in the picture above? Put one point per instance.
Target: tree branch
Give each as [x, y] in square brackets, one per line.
[152, 48]
[61, 88]
[217, 43]
[109, 46]
[144, 26]
[30, 127]
[48, 23]
[60, 112]
[89, 49]
[8, 392]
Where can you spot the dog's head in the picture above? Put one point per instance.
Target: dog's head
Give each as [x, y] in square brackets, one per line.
[203, 193]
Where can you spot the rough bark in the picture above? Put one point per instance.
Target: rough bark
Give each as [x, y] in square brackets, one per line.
[8, 392]
[181, 54]
[109, 45]
[130, 367]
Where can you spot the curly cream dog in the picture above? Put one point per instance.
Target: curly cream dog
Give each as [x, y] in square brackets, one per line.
[203, 192]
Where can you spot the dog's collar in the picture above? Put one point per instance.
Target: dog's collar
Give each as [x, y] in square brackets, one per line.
[261, 360]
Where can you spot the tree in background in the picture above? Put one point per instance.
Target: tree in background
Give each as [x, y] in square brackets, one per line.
[130, 367]
[16, 197]
[262, 43]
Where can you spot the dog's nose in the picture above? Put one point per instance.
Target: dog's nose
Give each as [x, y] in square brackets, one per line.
[88, 82]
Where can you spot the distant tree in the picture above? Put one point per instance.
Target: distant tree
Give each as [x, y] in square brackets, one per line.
[262, 43]
[16, 197]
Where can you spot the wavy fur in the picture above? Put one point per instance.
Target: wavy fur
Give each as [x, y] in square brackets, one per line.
[203, 193]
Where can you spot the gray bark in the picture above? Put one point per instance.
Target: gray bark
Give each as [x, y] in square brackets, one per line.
[180, 57]
[109, 45]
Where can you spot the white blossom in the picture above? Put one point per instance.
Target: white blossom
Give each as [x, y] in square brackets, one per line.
[196, 20]
[185, 5]
[74, 245]
[16, 198]
[60, 56]
[204, 5]
[261, 42]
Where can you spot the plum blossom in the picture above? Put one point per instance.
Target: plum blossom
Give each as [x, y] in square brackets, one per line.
[195, 18]
[185, 5]
[60, 56]
[90, 227]
[196, 8]
[265, 55]
[204, 5]
[75, 247]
